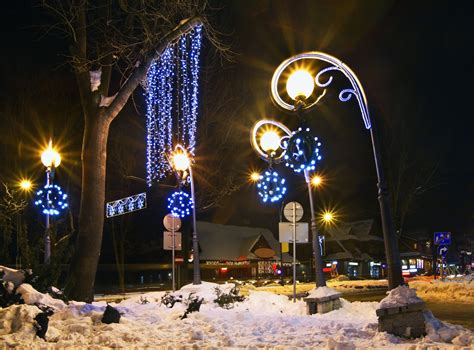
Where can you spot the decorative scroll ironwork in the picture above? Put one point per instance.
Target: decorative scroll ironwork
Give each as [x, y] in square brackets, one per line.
[345, 95]
[126, 205]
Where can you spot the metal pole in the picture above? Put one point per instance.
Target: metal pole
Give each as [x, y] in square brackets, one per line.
[394, 269]
[294, 252]
[318, 260]
[172, 254]
[47, 237]
[196, 267]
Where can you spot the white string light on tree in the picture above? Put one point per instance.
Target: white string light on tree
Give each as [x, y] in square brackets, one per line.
[172, 103]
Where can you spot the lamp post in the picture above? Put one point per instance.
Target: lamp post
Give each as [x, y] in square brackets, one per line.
[51, 160]
[300, 86]
[181, 162]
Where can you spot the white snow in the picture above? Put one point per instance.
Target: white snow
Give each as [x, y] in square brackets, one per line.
[11, 275]
[400, 296]
[264, 320]
[321, 292]
[32, 297]
[454, 290]
[95, 76]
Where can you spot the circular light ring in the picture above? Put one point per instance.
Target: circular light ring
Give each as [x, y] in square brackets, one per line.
[180, 204]
[302, 151]
[51, 199]
[357, 88]
[271, 186]
[254, 139]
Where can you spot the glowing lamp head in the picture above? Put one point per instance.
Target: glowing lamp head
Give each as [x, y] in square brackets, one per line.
[50, 156]
[328, 217]
[181, 161]
[25, 185]
[255, 176]
[316, 180]
[300, 85]
[270, 141]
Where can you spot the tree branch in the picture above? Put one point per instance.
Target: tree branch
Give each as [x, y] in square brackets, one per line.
[139, 73]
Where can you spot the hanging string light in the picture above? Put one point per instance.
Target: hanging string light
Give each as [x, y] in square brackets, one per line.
[172, 81]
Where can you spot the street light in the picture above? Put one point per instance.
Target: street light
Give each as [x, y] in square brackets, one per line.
[50, 159]
[299, 103]
[316, 180]
[181, 162]
[254, 176]
[25, 185]
[300, 85]
[270, 141]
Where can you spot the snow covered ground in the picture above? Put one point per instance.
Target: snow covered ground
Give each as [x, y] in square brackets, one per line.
[459, 289]
[263, 321]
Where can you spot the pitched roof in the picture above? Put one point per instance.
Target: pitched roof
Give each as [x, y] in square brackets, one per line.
[357, 230]
[227, 242]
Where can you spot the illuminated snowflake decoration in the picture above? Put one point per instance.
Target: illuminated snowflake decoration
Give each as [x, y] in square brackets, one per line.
[51, 199]
[180, 203]
[302, 151]
[271, 186]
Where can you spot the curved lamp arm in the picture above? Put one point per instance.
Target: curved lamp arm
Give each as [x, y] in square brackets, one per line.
[336, 64]
[254, 138]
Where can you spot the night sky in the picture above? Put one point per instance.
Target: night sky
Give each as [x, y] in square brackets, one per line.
[414, 59]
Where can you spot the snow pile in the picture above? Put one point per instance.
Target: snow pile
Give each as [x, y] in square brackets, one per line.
[32, 297]
[400, 296]
[457, 290]
[11, 275]
[263, 320]
[205, 290]
[322, 292]
[438, 331]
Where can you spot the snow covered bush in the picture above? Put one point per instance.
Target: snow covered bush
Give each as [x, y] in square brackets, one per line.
[227, 300]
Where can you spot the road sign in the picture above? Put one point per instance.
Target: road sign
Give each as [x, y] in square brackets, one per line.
[168, 240]
[172, 222]
[442, 238]
[293, 211]
[285, 230]
[442, 251]
[285, 247]
[125, 205]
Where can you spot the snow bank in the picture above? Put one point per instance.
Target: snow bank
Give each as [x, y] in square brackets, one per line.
[456, 290]
[322, 292]
[263, 320]
[32, 297]
[400, 296]
[205, 290]
[438, 331]
[11, 275]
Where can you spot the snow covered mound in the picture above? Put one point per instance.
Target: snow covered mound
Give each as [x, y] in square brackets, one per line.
[400, 296]
[457, 290]
[322, 292]
[263, 320]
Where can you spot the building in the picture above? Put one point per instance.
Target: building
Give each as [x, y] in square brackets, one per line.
[416, 252]
[354, 249]
[237, 251]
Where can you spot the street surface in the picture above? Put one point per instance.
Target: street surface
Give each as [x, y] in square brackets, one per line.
[455, 313]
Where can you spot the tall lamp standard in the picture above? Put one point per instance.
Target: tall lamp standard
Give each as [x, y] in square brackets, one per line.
[300, 86]
[51, 160]
[181, 162]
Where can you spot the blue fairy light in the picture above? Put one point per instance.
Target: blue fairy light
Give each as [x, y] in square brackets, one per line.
[302, 151]
[172, 102]
[51, 199]
[271, 186]
[180, 203]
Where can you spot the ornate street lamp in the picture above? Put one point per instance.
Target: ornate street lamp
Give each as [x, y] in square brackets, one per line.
[180, 162]
[299, 87]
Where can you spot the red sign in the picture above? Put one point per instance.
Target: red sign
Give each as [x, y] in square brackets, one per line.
[178, 260]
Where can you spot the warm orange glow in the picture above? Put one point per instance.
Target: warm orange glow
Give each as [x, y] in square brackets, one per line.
[26, 185]
[270, 140]
[254, 176]
[180, 161]
[300, 84]
[316, 180]
[50, 156]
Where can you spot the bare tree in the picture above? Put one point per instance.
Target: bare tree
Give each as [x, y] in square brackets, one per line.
[106, 38]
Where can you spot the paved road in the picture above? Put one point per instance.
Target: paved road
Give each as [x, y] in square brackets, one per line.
[456, 313]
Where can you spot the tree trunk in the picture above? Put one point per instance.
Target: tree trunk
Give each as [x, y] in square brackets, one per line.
[91, 216]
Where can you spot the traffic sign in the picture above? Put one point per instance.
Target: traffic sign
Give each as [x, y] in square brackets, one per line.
[293, 211]
[168, 240]
[172, 222]
[442, 251]
[285, 230]
[442, 238]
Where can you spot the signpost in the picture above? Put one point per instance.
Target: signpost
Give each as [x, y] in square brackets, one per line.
[442, 240]
[293, 212]
[172, 223]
